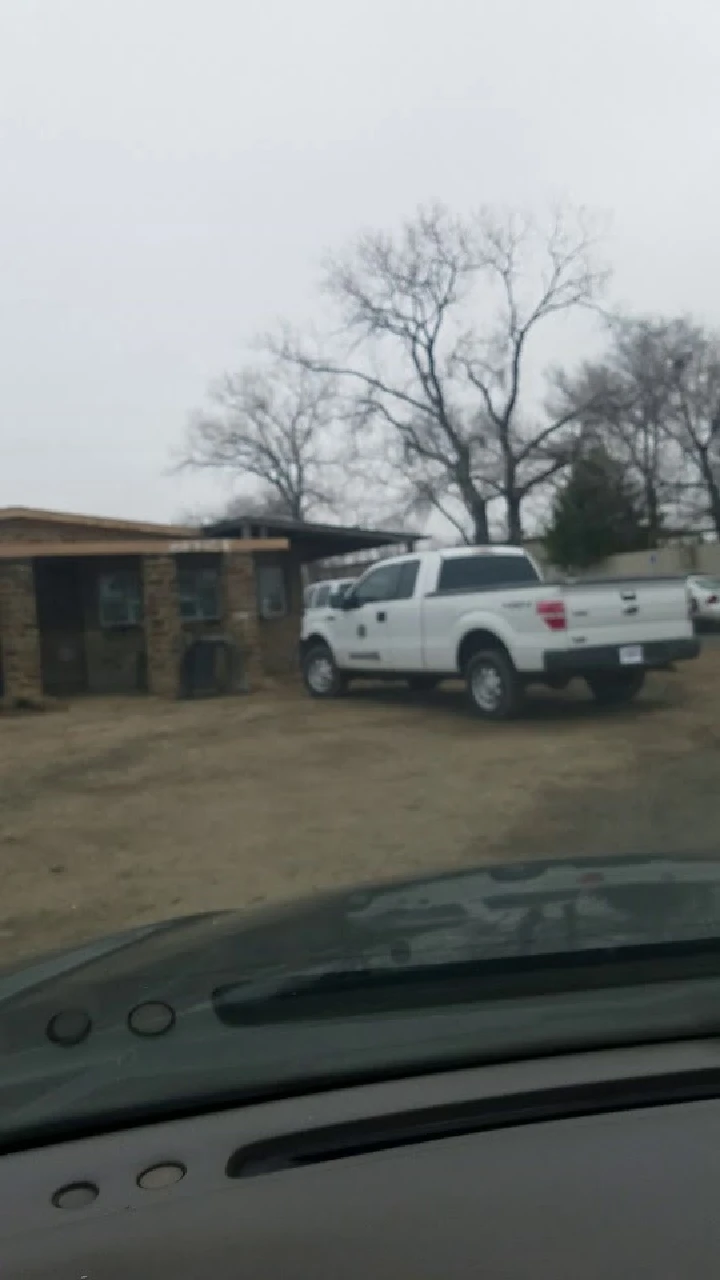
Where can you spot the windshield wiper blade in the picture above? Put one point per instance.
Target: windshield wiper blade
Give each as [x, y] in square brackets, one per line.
[358, 992]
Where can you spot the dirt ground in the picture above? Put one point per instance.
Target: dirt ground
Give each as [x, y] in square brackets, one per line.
[120, 812]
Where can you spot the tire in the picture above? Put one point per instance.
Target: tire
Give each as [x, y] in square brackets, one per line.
[422, 684]
[494, 689]
[320, 673]
[615, 688]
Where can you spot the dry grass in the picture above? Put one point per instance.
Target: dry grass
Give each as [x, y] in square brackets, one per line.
[118, 812]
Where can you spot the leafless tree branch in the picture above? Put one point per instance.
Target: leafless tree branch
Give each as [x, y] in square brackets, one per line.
[436, 323]
[270, 424]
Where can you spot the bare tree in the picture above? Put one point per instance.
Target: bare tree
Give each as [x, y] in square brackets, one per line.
[273, 426]
[447, 387]
[696, 426]
[538, 272]
[628, 401]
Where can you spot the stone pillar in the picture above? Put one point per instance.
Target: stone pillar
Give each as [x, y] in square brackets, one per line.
[19, 634]
[163, 630]
[241, 613]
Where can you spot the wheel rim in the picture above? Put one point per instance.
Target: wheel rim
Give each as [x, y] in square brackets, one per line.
[320, 674]
[487, 687]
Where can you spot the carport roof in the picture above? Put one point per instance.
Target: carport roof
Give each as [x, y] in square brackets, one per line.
[314, 541]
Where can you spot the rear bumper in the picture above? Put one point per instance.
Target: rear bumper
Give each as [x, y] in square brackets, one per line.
[658, 653]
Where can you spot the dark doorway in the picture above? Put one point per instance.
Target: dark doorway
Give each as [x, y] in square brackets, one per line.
[61, 622]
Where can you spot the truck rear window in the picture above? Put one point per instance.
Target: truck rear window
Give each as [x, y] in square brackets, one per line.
[477, 573]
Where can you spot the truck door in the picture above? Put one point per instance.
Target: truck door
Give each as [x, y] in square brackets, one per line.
[381, 631]
[403, 638]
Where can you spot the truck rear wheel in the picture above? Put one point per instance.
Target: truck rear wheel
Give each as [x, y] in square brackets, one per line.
[613, 688]
[321, 675]
[494, 687]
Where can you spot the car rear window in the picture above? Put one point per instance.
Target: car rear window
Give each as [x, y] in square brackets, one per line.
[477, 573]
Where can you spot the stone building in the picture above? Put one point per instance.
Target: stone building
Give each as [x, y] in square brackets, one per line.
[94, 605]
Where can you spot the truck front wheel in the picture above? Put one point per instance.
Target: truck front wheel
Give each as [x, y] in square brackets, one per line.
[494, 687]
[613, 688]
[320, 672]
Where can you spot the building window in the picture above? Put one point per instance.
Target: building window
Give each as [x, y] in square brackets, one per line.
[272, 591]
[199, 593]
[119, 599]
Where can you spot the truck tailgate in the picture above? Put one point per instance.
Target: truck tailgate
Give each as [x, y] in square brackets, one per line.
[627, 611]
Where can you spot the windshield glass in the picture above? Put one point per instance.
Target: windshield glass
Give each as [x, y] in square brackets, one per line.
[359, 545]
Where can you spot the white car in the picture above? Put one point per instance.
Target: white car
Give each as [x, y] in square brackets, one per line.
[704, 592]
[485, 614]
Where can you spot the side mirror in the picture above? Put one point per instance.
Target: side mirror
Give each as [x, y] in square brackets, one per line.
[348, 601]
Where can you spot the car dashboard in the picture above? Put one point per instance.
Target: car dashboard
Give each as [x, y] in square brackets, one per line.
[583, 1165]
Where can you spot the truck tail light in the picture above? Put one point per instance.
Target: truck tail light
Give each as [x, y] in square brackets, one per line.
[552, 613]
[711, 600]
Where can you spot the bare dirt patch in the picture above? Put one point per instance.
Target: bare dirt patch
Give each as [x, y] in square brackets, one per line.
[119, 812]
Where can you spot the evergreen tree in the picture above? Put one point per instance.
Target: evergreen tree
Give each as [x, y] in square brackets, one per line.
[596, 514]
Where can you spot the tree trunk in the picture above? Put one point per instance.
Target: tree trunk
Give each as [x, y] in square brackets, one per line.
[514, 518]
[513, 500]
[481, 530]
[652, 511]
[714, 496]
[712, 489]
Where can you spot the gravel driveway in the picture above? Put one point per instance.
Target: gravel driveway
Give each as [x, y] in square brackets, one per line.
[121, 812]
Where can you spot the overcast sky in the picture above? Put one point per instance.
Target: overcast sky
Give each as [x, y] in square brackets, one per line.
[172, 171]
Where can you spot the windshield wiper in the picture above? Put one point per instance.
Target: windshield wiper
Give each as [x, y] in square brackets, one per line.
[358, 992]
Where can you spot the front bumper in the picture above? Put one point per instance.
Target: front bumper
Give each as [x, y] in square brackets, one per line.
[656, 653]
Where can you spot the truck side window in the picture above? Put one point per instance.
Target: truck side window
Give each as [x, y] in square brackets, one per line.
[379, 585]
[407, 579]
[478, 573]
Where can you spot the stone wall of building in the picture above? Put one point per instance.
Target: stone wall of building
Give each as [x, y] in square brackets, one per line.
[143, 656]
[163, 631]
[19, 638]
[240, 614]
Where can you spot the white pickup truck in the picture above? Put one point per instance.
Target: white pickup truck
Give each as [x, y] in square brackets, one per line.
[485, 613]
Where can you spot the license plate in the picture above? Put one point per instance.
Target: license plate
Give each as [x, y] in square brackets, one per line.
[631, 654]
